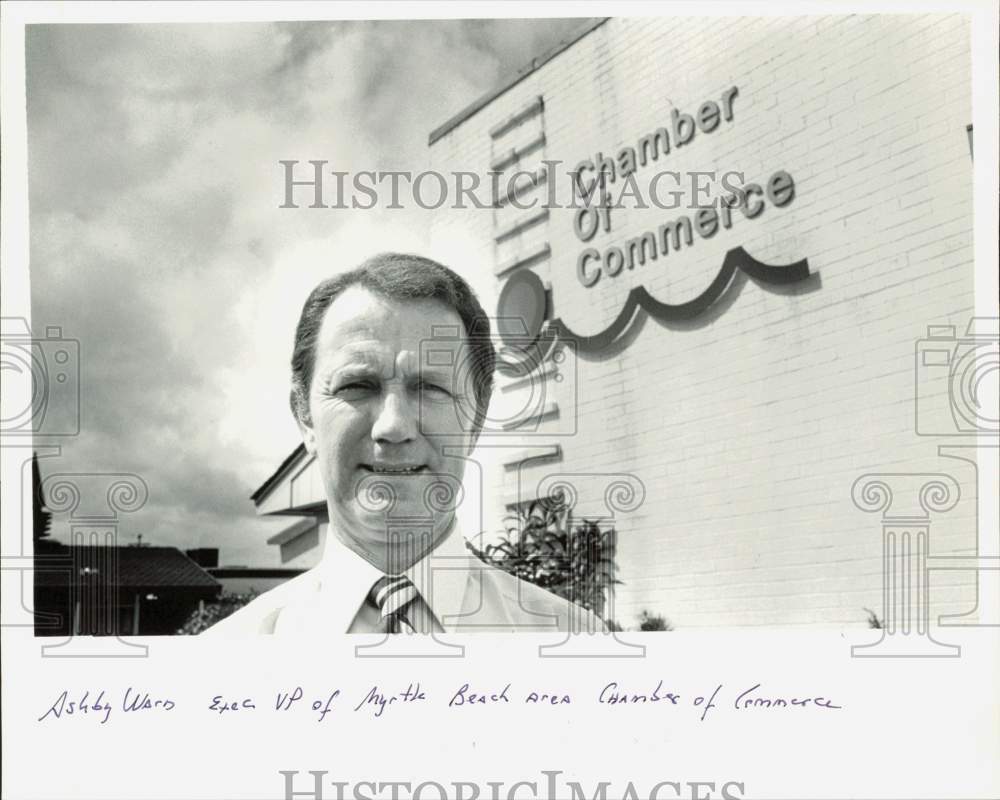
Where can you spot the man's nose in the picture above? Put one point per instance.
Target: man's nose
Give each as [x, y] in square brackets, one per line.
[396, 421]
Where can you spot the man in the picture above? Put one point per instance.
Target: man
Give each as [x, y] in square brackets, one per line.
[391, 427]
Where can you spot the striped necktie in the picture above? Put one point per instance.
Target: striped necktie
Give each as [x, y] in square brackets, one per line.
[391, 596]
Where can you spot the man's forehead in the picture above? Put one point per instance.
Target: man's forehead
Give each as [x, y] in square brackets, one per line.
[369, 353]
[360, 317]
[389, 358]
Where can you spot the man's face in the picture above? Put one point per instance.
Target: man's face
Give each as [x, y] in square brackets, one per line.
[370, 402]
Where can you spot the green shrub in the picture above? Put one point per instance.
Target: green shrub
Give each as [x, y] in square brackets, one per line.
[207, 615]
[873, 620]
[544, 546]
[653, 622]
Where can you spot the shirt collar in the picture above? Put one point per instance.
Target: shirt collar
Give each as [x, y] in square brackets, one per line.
[441, 577]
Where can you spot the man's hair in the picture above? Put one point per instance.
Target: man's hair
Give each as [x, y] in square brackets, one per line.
[398, 276]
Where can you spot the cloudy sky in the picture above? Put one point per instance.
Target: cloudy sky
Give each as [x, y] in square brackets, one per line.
[156, 240]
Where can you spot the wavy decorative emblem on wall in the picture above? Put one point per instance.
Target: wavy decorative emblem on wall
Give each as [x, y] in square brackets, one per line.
[529, 333]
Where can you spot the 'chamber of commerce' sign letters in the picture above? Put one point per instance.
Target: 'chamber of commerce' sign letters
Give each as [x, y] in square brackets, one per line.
[526, 300]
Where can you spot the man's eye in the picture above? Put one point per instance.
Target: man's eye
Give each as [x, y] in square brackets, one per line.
[436, 389]
[355, 387]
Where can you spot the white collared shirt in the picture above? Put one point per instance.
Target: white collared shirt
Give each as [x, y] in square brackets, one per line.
[458, 593]
[441, 579]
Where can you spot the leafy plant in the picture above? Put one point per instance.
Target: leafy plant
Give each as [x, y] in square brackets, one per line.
[41, 517]
[653, 622]
[545, 546]
[210, 613]
[873, 620]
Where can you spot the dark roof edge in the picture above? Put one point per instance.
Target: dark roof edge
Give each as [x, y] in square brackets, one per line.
[266, 485]
[485, 100]
[255, 572]
[294, 531]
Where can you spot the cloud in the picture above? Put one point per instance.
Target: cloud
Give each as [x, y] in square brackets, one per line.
[156, 238]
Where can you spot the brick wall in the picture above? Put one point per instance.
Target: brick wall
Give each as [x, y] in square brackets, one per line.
[748, 425]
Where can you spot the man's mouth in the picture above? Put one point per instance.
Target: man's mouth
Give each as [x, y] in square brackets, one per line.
[394, 469]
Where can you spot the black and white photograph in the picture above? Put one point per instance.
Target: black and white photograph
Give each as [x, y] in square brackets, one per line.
[340, 343]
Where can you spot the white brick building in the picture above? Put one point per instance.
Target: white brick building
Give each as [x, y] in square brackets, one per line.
[746, 423]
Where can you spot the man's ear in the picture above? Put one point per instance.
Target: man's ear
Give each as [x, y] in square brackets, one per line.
[304, 421]
[308, 437]
[474, 439]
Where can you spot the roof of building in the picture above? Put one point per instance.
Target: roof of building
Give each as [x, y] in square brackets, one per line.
[294, 531]
[278, 473]
[256, 572]
[131, 567]
[513, 80]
